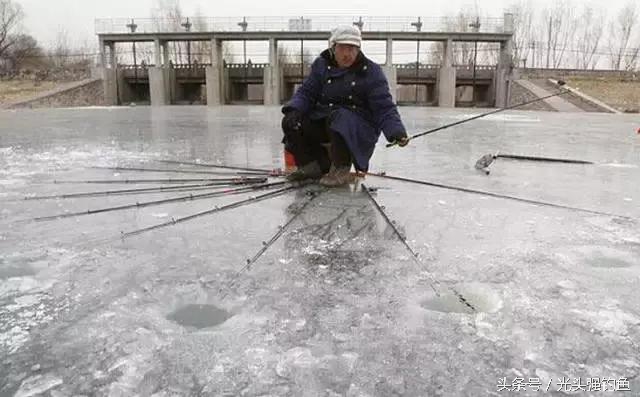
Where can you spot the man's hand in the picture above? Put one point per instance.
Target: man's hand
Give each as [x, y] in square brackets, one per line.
[402, 141]
[292, 121]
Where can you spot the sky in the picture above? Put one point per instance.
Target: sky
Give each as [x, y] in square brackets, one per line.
[45, 18]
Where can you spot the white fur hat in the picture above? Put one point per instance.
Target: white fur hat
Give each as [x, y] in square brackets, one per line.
[346, 34]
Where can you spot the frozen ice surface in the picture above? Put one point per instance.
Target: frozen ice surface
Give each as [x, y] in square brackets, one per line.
[336, 306]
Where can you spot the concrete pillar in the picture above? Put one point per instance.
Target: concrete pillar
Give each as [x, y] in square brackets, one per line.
[162, 82]
[103, 56]
[165, 54]
[272, 76]
[157, 86]
[108, 73]
[156, 54]
[110, 86]
[215, 75]
[503, 76]
[447, 77]
[158, 91]
[389, 50]
[112, 54]
[390, 71]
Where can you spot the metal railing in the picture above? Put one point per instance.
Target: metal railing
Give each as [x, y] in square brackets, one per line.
[413, 66]
[478, 67]
[301, 24]
[247, 65]
[296, 66]
[189, 65]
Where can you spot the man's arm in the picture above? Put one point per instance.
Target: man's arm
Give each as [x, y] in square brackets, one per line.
[385, 112]
[307, 94]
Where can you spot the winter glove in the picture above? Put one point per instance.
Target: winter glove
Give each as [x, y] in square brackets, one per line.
[402, 139]
[291, 122]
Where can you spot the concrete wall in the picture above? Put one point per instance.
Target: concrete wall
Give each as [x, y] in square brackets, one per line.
[531, 73]
[125, 93]
[87, 93]
[520, 94]
[406, 94]
[170, 84]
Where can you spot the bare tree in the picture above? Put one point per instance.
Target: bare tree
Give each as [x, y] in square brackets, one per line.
[559, 24]
[462, 51]
[465, 20]
[201, 50]
[11, 16]
[166, 14]
[632, 60]
[588, 37]
[167, 17]
[286, 55]
[523, 39]
[227, 52]
[488, 53]
[59, 54]
[85, 54]
[25, 52]
[620, 33]
[435, 54]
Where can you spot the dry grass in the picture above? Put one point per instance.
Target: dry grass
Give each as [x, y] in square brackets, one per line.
[18, 90]
[622, 95]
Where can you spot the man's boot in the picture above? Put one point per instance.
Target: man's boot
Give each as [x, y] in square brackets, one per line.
[338, 176]
[311, 170]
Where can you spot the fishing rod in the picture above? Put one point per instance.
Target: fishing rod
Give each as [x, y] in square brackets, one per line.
[274, 172]
[413, 253]
[543, 159]
[269, 243]
[560, 83]
[159, 189]
[488, 159]
[212, 211]
[190, 197]
[497, 195]
[125, 169]
[133, 181]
